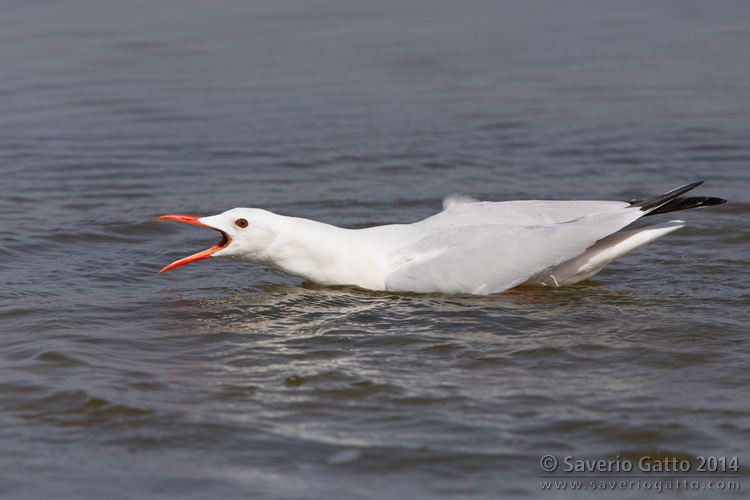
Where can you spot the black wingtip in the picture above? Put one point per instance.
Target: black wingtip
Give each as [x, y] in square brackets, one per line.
[687, 203]
[651, 204]
[672, 202]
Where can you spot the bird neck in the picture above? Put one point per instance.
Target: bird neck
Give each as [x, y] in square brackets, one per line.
[325, 254]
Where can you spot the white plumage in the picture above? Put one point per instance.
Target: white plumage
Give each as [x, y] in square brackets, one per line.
[470, 247]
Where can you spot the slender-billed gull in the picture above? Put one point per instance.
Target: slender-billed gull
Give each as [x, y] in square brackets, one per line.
[470, 247]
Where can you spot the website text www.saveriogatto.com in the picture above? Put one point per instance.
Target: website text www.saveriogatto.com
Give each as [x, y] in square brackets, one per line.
[646, 473]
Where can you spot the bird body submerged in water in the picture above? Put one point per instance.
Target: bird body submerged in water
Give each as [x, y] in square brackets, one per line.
[470, 247]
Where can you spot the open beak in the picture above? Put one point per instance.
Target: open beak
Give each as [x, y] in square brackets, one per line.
[190, 219]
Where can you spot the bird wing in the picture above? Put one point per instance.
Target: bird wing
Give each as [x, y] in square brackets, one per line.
[464, 211]
[490, 258]
[603, 252]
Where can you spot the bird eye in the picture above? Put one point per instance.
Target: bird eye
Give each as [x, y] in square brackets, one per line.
[241, 223]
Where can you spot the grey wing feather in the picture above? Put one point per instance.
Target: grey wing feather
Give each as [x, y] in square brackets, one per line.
[490, 258]
[464, 211]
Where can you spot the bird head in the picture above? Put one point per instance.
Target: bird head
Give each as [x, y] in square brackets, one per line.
[245, 234]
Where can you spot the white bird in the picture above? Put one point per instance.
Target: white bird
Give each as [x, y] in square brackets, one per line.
[470, 247]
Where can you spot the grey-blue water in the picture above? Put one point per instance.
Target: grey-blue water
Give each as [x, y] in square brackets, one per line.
[228, 380]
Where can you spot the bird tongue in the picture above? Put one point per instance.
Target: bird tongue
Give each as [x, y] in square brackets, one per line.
[190, 219]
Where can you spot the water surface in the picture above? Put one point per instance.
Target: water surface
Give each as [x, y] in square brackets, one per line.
[229, 380]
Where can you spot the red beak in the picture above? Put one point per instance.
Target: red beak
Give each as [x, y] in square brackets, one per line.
[190, 219]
